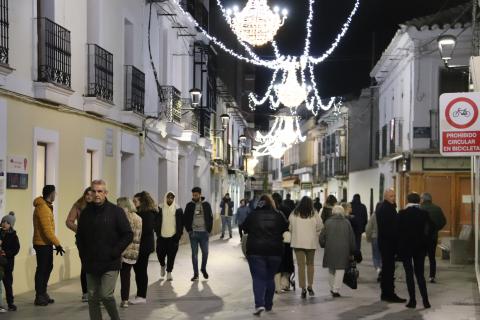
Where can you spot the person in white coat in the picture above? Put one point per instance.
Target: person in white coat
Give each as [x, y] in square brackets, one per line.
[305, 226]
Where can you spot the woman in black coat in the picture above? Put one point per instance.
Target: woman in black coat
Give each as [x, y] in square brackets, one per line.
[147, 210]
[265, 227]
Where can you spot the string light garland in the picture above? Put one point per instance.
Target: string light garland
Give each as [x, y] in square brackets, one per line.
[256, 24]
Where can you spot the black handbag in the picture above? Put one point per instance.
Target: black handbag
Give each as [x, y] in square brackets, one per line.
[351, 275]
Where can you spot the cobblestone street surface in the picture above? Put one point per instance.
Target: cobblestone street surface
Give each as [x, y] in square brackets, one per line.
[228, 294]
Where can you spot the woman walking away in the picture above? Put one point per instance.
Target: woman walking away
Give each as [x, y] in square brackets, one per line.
[371, 234]
[71, 222]
[10, 247]
[146, 209]
[265, 227]
[130, 255]
[327, 208]
[305, 226]
[339, 242]
[283, 277]
[169, 230]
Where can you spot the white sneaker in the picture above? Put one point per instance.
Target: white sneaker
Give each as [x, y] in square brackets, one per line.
[85, 297]
[169, 276]
[2, 310]
[124, 304]
[162, 272]
[138, 300]
[258, 311]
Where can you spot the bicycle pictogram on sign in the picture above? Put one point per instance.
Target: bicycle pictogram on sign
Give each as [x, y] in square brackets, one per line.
[461, 113]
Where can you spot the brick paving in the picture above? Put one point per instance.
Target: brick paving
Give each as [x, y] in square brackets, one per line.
[228, 294]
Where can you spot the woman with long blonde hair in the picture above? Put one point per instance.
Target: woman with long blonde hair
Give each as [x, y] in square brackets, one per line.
[71, 222]
[130, 255]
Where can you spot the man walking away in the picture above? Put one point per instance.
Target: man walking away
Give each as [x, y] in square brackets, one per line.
[242, 213]
[226, 213]
[359, 211]
[289, 203]
[438, 221]
[43, 240]
[103, 234]
[198, 221]
[387, 242]
[412, 246]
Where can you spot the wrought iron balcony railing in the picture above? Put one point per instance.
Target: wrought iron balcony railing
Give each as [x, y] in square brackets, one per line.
[171, 106]
[54, 53]
[190, 118]
[340, 166]
[134, 90]
[100, 73]
[4, 24]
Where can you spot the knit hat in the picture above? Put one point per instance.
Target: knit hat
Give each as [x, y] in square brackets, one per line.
[9, 218]
[47, 190]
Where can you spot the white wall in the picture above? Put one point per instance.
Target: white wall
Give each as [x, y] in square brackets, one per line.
[361, 182]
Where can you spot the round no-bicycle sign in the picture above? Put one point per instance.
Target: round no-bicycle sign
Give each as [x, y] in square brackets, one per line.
[461, 113]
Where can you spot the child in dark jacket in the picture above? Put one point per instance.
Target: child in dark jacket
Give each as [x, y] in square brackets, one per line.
[10, 247]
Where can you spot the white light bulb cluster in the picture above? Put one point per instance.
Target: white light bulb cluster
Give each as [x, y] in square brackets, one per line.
[256, 24]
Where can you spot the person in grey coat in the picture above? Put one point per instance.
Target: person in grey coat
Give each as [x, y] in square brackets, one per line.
[338, 239]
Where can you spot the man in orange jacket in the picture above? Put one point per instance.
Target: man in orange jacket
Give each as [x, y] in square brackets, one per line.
[43, 240]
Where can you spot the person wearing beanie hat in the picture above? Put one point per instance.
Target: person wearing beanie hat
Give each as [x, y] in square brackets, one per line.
[11, 247]
[43, 239]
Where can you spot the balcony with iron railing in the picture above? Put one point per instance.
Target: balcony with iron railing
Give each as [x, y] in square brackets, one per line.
[340, 166]
[54, 53]
[171, 105]
[134, 90]
[100, 73]
[190, 118]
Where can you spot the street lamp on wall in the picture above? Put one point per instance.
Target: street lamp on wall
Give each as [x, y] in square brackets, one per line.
[225, 120]
[242, 139]
[446, 46]
[195, 96]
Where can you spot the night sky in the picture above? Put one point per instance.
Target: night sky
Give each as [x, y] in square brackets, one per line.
[347, 70]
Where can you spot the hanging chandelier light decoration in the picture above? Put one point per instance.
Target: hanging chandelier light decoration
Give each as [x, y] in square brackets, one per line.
[291, 93]
[284, 132]
[256, 24]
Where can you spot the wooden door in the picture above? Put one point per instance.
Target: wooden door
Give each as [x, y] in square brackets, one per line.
[464, 205]
[441, 188]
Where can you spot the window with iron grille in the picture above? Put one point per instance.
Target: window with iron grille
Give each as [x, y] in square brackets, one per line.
[197, 10]
[100, 73]
[54, 53]
[4, 32]
[384, 141]
[134, 89]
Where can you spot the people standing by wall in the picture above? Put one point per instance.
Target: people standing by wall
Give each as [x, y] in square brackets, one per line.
[371, 233]
[43, 239]
[147, 210]
[242, 213]
[305, 227]
[198, 221]
[413, 229]
[103, 234]
[130, 254]
[360, 214]
[226, 213]
[10, 246]
[169, 230]
[265, 227]
[338, 239]
[438, 221]
[386, 214]
[283, 277]
[71, 223]
[327, 208]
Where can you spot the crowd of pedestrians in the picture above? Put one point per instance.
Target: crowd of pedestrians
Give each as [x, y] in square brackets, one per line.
[112, 239]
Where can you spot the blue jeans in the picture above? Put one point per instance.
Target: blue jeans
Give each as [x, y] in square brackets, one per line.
[376, 256]
[226, 222]
[199, 238]
[263, 269]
